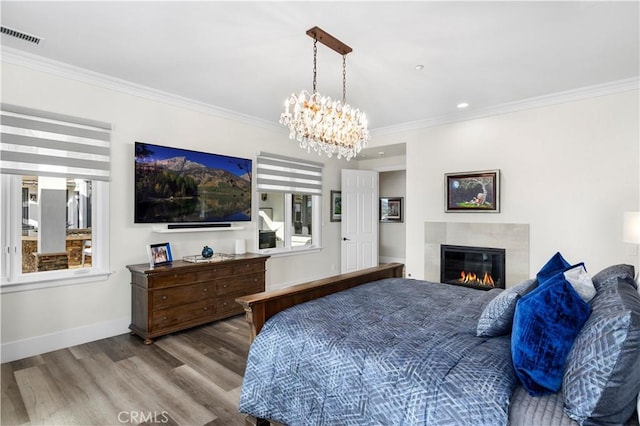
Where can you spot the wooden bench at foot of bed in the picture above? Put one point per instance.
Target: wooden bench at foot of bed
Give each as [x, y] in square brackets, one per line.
[260, 307]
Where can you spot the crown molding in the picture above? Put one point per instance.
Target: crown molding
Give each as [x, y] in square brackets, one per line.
[61, 69]
[521, 105]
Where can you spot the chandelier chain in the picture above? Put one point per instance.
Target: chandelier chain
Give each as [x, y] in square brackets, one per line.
[315, 68]
[344, 79]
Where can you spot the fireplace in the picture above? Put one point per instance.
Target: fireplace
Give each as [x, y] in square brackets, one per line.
[476, 267]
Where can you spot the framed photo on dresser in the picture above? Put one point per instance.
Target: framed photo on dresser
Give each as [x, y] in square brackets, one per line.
[159, 254]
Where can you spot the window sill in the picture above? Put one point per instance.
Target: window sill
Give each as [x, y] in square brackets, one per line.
[54, 279]
[283, 252]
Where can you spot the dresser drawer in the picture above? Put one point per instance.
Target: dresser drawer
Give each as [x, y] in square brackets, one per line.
[158, 281]
[240, 285]
[228, 306]
[214, 272]
[228, 270]
[174, 296]
[247, 267]
[171, 317]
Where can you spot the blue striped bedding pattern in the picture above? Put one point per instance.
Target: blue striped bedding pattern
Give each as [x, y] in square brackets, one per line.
[391, 352]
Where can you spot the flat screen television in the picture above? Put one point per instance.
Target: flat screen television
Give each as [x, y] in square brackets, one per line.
[175, 185]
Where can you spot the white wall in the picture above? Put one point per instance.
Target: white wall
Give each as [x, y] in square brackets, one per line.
[40, 320]
[568, 170]
[392, 235]
[392, 183]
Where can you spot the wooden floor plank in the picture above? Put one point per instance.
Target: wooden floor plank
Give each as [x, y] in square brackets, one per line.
[42, 398]
[221, 402]
[190, 378]
[13, 410]
[125, 392]
[221, 346]
[235, 340]
[86, 400]
[167, 396]
[27, 362]
[154, 355]
[118, 347]
[206, 366]
[228, 359]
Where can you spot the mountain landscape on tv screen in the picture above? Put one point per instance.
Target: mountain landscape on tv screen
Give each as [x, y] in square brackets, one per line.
[178, 189]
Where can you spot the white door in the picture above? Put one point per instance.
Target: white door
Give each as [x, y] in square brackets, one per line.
[359, 248]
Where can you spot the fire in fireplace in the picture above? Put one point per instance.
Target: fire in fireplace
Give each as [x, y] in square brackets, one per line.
[477, 267]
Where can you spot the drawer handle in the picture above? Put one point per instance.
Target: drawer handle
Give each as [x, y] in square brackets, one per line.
[164, 318]
[206, 308]
[224, 304]
[204, 289]
[175, 275]
[247, 265]
[164, 297]
[225, 285]
[255, 280]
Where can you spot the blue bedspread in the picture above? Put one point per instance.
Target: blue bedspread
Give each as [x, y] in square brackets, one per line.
[391, 352]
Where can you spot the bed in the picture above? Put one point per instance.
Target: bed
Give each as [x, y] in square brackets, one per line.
[374, 348]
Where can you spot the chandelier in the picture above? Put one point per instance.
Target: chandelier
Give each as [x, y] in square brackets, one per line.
[319, 122]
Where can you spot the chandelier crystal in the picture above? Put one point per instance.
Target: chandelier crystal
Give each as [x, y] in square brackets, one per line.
[320, 123]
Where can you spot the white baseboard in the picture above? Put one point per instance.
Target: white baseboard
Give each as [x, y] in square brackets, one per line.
[32, 346]
[386, 259]
[279, 286]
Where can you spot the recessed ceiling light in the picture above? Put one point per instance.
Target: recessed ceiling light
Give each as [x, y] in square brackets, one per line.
[462, 105]
[419, 67]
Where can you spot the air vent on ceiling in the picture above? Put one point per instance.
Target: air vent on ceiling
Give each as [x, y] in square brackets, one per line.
[18, 34]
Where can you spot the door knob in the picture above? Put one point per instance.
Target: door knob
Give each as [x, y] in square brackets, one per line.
[345, 239]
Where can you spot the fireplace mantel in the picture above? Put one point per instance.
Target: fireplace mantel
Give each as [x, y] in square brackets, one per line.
[513, 237]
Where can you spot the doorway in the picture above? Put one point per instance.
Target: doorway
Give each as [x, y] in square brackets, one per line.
[392, 234]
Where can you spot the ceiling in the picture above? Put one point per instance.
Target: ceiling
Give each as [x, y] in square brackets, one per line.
[247, 57]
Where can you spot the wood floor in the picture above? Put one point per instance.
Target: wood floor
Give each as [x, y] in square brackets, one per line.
[188, 378]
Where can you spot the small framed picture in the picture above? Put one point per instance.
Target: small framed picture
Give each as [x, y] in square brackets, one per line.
[391, 209]
[473, 191]
[159, 254]
[336, 206]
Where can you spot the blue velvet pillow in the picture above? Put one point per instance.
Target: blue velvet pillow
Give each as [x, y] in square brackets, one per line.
[556, 264]
[545, 324]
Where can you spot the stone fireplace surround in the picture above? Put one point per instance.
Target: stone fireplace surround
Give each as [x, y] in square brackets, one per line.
[513, 237]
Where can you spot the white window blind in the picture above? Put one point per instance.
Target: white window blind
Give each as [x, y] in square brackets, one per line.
[276, 173]
[41, 143]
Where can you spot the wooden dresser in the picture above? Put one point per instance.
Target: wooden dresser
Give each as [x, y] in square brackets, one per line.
[182, 295]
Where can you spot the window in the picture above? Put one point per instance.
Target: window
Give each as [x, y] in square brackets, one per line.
[55, 192]
[289, 194]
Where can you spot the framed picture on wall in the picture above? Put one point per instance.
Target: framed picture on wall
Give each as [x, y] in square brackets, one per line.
[473, 191]
[336, 206]
[159, 254]
[391, 209]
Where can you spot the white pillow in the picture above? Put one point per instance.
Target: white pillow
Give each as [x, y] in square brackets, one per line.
[581, 282]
